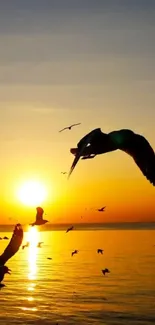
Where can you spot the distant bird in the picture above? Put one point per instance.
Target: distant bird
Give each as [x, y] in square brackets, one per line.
[26, 245]
[100, 251]
[105, 271]
[75, 252]
[11, 250]
[63, 173]
[49, 258]
[39, 244]
[69, 229]
[39, 218]
[5, 237]
[0, 238]
[69, 127]
[96, 142]
[101, 209]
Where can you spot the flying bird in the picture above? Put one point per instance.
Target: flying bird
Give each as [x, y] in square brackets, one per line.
[39, 218]
[49, 258]
[100, 251]
[101, 209]
[39, 244]
[69, 127]
[105, 271]
[26, 245]
[63, 173]
[5, 237]
[96, 142]
[11, 250]
[69, 229]
[75, 252]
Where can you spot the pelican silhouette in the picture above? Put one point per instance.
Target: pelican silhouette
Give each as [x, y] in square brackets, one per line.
[39, 218]
[101, 209]
[100, 251]
[75, 252]
[69, 229]
[11, 250]
[105, 271]
[96, 142]
[69, 127]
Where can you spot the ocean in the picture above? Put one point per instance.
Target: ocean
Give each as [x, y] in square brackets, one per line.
[72, 289]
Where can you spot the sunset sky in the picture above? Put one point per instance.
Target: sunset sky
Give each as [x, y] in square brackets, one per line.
[64, 62]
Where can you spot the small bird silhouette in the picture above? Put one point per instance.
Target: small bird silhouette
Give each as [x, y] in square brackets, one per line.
[69, 229]
[105, 271]
[75, 252]
[11, 249]
[0, 238]
[5, 238]
[39, 244]
[96, 143]
[49, 258]
[69, 127]
[63, 173]
[39, 218]
[26, 245]
[100, 251]
[101, 209]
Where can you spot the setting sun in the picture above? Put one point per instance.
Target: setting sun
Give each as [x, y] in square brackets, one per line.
[32, 193]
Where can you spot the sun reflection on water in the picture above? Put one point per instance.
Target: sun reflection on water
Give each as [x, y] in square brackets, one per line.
[32, 238]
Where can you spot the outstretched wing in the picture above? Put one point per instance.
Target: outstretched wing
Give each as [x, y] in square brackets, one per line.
[63, 129]
[14, 244]
[142, 153]
[39, 215]
[75, 124]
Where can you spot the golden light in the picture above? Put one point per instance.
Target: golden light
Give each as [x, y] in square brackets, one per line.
[32, 238]
[32, 193]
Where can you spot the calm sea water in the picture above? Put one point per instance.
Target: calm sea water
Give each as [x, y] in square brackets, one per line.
[73, 290]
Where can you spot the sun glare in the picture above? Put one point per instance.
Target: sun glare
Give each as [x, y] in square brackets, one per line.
[32, 193]
[32, 238]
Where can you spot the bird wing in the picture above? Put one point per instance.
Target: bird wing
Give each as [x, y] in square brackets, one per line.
[139, 148]
[13, 246]
[39, 215]
[75, 124]
[64, 129]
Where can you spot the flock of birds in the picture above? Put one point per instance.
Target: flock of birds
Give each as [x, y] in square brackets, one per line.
[92, 144]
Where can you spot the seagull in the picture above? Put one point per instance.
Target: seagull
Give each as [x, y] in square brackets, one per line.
[100, 251]
[49, 258]
[69, 127]
[101, 210]
[5, 238]
[96, 142]
[26, 245]
[11, 250]
[75, 252]
[69, 229]
[39, 218]
[105, 271]
[39, 244]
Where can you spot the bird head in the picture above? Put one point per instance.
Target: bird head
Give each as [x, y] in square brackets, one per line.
[6, 270]
[39, 210]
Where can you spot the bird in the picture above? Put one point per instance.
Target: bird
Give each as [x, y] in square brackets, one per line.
[0, 238]
[69, 229]
[39, 218]
[105, 271]
[11, 249]
[39, 244]
[101, 209]
[5, 237]
[26, 245]
[96, 142]
[63, 173]
[100, 251]
[49, 258]
[75, 252]
[69, 127]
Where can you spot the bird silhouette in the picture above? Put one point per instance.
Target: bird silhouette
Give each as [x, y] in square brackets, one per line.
[63, 173]
[74, 252]
[11, 249]
[39, 218]
[69, 127]
[105, 271]
[39, 244]
[26, 245]
[5, 237]
[100, 251]
[96, 142]
[69, 229]
[101, 209]
[49, 258]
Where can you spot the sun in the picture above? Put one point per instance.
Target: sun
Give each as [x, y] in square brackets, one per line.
[32, 193]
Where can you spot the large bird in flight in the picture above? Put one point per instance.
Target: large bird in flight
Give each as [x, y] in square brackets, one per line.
[96, 142]
[39, 218]
[69, 127]
[11, 250]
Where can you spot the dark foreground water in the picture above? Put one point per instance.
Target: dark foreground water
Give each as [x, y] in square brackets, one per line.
[73, 290]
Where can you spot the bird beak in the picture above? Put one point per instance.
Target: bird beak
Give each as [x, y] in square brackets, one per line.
[8, 271]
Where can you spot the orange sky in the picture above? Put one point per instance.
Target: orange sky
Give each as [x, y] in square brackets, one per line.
[93, 65]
